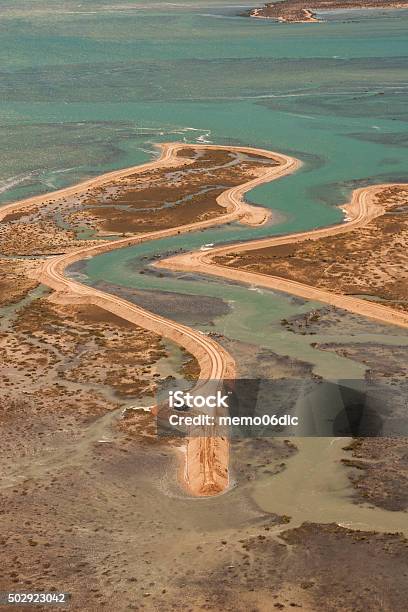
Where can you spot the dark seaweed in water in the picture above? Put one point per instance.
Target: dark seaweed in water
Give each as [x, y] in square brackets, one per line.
[187, 309]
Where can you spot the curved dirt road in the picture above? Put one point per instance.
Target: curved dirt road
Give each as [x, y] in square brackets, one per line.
[206, 464]
[360, 211]
[214, 361]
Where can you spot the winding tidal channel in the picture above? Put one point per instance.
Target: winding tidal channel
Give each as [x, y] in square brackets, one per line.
[314, 486]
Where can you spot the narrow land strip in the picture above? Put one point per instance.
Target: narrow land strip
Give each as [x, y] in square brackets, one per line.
[360, 211]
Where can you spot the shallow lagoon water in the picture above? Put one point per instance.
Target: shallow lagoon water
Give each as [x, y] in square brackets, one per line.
[85, 91]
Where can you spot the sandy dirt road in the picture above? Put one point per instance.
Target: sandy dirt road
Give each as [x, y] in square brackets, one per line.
[206, 459]
[360, 211]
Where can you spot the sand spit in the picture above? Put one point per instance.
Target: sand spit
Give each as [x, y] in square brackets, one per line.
[363, 208]
[231, 199]
[206, 460]
[206, 467]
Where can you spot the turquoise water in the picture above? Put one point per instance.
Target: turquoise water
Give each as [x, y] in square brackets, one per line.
[86, 87]
[90, 87]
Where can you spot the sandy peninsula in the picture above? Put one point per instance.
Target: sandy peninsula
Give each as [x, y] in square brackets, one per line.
[363, 255]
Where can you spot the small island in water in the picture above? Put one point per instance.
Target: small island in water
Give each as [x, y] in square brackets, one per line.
[299, 11]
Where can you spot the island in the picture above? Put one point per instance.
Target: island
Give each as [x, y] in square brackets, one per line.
[298, 11]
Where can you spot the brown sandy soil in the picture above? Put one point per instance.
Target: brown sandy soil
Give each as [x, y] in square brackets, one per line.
[206, 468]
[62, 368]
[54, 354]
[58, 400]
[88, 511]
[160, 199]
[299, 11]
[35, 238]
[14, 283]
[313, 568]
[330, 320]
[381, 474]
[190, 369]
[103, 348]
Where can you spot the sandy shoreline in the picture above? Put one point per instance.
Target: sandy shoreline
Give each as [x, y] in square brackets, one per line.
[360, 210]
[215, 363]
